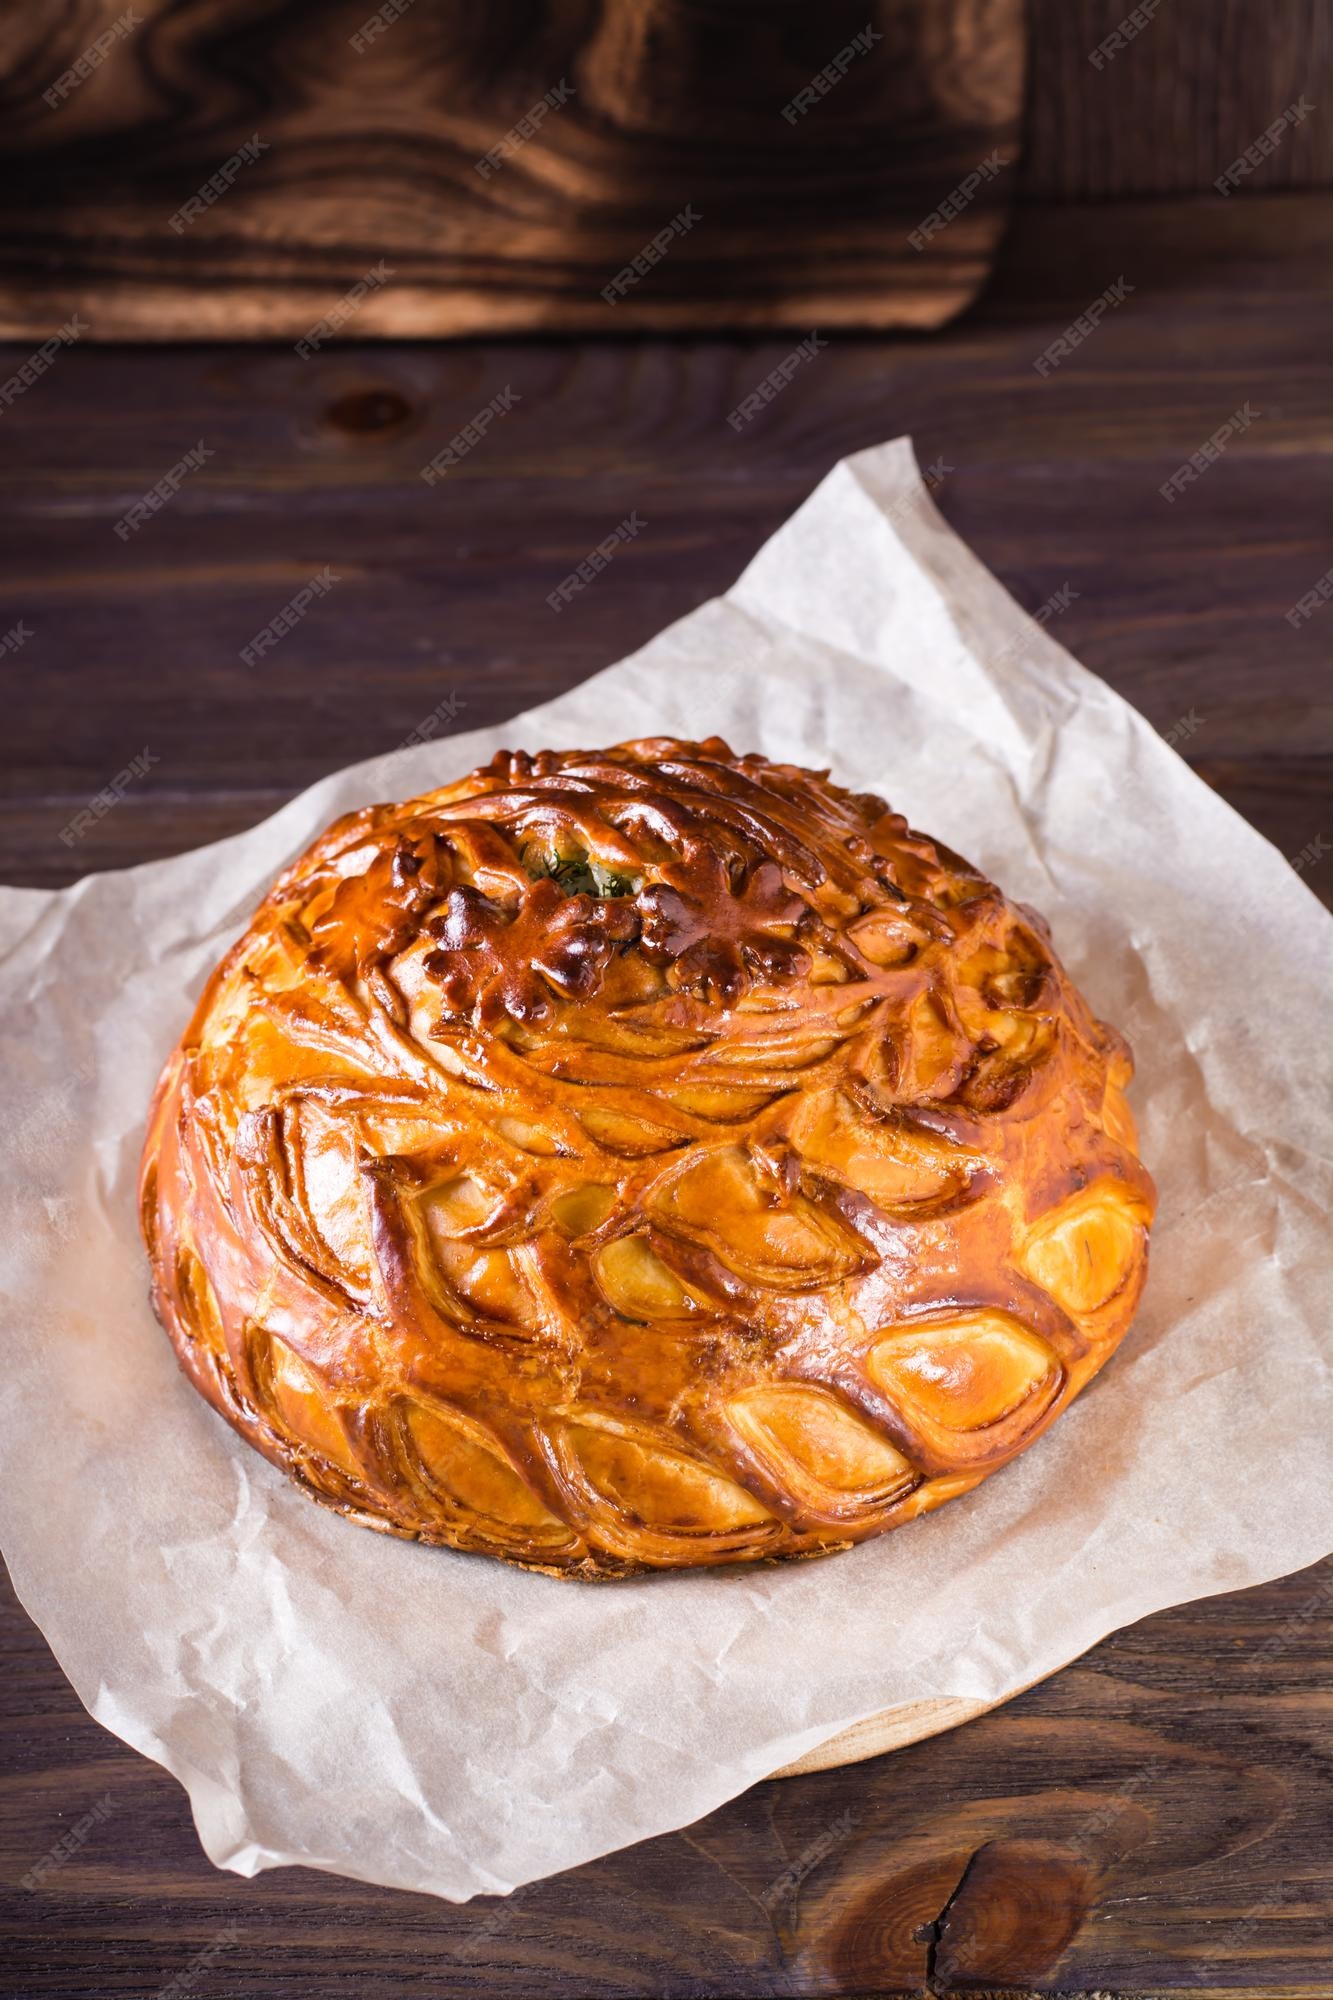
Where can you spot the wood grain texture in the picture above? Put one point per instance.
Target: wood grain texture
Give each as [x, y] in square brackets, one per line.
[442, 590]
[895, 1729]
[1156, 1819]
[1153, 1821]
[373, 154]
[1168, 108]
[378, 151]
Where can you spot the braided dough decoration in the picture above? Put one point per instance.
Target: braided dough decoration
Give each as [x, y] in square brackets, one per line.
[638, 1159]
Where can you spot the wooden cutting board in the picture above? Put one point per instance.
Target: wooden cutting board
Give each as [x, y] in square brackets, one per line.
[913, 1722]
[838, 166]
[896, 1728]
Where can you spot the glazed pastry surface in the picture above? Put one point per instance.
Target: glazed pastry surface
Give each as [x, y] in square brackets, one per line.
[638, 1159]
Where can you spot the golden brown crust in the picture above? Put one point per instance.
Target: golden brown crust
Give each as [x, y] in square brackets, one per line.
[638, 1159]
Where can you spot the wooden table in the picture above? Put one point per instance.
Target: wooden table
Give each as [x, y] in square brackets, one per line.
[1156, 1819]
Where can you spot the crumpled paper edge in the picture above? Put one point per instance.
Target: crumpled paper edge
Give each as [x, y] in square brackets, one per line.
[943, 556]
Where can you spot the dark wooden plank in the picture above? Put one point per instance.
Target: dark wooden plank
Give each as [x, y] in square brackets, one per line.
[1154, 1820]
[1053, 480]
[1168, 107]
[802, 146]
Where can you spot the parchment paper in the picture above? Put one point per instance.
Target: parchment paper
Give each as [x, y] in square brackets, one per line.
[413, 1717]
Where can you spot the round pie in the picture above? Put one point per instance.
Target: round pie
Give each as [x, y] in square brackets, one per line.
[639, 1159]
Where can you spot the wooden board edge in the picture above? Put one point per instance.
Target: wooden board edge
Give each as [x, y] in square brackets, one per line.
[910, 1722]
[158, 311]
[894, 1729]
